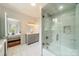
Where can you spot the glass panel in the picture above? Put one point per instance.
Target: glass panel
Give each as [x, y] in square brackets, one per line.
[67, 32]
[77, 30]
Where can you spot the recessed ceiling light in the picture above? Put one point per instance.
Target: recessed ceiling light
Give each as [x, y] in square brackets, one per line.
[60, 7]
[33, 4]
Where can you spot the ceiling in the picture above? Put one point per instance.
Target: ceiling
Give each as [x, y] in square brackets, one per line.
[53, 8]
[35, 11]
[26, 8]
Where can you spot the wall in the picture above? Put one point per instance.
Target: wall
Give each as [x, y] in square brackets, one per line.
[26, 27]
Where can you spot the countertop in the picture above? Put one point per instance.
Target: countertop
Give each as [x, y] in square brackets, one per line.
[2, 42]
[12, 36]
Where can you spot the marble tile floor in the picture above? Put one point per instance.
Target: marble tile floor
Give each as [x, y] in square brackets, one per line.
[47, 53]
[25, 50]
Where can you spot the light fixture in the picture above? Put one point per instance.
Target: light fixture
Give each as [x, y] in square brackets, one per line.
[33, 4]
[60, 7]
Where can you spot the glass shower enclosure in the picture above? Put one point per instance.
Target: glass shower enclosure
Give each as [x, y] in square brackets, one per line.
[60, 29]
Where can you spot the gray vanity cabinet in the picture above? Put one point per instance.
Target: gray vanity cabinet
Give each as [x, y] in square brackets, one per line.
[32, 38]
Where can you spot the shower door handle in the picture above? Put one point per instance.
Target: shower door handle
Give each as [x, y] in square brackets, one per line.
[57, 37]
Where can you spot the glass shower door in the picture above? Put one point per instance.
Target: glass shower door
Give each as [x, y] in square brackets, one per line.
[50, 36]
[46, 32]
[54, 46]
[61, 29]
[65, 33]
[77, 30]
[68, 33]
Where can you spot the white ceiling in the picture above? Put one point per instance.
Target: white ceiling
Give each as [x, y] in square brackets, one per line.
[26, 8]
[53, 8]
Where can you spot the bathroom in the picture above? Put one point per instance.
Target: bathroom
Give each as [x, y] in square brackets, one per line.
[60, 29]
[54, 32]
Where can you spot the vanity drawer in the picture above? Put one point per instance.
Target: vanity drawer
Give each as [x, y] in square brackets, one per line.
[14, 43]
